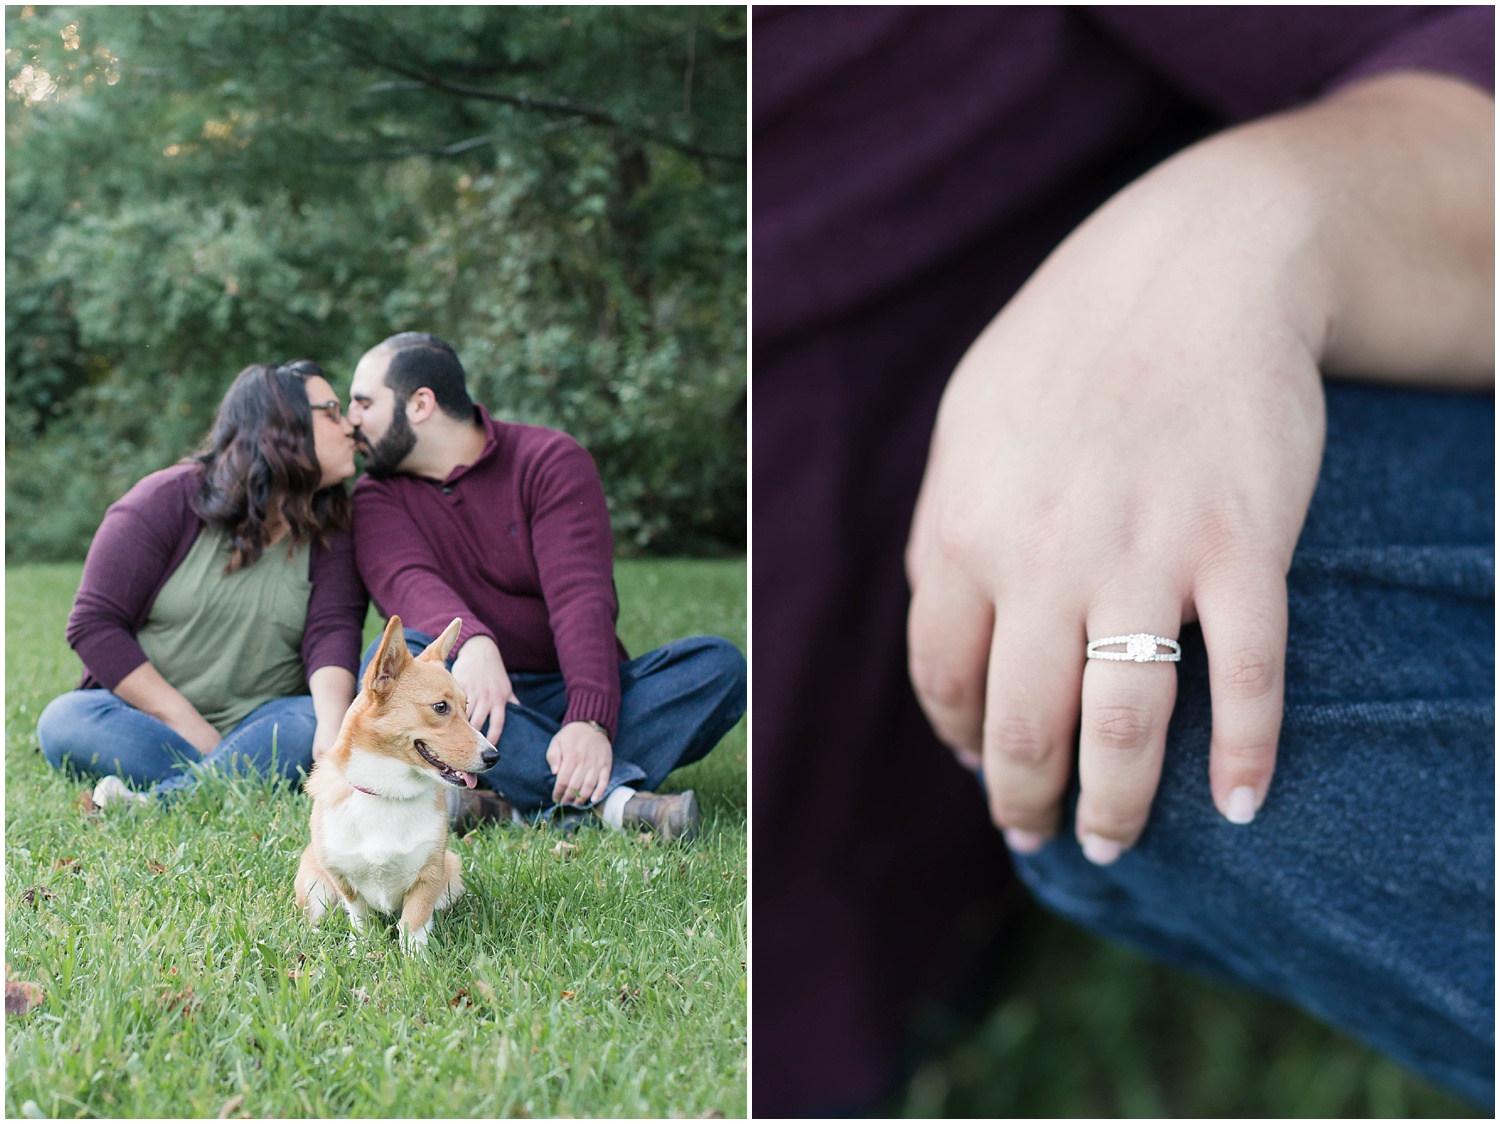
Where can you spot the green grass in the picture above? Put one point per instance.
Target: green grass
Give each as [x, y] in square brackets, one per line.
[601, 978]
[1084, 1028]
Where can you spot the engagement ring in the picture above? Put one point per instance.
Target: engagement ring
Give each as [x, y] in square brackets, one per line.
[1140, 647]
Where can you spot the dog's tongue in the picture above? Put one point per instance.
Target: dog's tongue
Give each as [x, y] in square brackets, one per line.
[469, 779]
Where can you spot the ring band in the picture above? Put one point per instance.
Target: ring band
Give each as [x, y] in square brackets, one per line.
[1140, 647]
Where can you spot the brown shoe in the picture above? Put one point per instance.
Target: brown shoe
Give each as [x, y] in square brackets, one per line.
[671, 816]
[475, 806]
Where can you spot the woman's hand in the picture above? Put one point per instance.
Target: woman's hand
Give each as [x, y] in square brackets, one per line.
[1133, 443]
[332, 690]
[146, 689]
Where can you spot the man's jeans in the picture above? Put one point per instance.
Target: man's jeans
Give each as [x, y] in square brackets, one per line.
[675, 705]
[1364, 889]
[96, 732]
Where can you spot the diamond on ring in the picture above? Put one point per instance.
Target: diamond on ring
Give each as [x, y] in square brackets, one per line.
[1140, 647]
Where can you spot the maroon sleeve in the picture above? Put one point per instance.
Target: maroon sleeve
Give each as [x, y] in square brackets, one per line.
[574, 550]
[143, 538]
[1246, 61]
[336, 609]
[398, 566]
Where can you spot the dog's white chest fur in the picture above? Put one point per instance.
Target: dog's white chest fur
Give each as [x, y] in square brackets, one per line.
[378, 846]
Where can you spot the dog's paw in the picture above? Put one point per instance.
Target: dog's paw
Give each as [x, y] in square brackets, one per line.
[414, 942]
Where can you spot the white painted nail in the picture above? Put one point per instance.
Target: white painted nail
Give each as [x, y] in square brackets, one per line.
[1241, 805]
[1099, 850]
[1023, 842]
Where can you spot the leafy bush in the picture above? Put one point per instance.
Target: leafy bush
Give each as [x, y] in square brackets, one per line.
[193, 190]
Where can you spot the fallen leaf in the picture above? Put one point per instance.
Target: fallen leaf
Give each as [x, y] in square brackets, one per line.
[294, 974]
[86, 802]
[67, 862]
[21, 997]
[31, 896]
[230, 1105]
[361, 994]
[569, 994]
[155, 867]
[460, 998]
[183, 1000]
[626, 996]
[564, 849]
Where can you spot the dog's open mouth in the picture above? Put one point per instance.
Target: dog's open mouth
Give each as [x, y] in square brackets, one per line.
[453, 776]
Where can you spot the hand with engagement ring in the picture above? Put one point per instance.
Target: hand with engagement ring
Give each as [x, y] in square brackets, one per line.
[1133, 442]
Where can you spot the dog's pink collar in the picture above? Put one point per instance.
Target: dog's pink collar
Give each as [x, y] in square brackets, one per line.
[366, 791]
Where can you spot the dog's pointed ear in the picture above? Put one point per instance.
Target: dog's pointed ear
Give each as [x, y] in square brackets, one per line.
[390, 659]
[438, 650]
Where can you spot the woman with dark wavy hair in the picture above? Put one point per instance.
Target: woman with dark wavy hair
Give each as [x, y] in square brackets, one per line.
[219, 615]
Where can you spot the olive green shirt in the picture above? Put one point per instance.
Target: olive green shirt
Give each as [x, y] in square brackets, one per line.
[231, 642]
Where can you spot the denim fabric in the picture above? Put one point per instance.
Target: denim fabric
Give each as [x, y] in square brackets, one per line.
[95, 732]
[1364, 889]
[675, 704]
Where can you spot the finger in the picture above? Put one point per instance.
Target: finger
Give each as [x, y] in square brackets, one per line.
[567, 778]
[479, 710]
[1123, 728]
[497, 725]
[1243, 616]
[587, 782]
[600, 785]
[1031, 706]
[949, 628]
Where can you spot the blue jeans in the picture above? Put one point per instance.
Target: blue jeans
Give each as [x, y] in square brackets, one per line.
[1364, 889]
[96, 733]
[675, 705]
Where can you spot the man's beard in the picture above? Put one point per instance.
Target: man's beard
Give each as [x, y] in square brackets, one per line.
[382, 460]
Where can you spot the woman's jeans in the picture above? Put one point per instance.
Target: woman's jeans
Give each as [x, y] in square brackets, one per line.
[675, 705]
[96, 732]
[1364, 889]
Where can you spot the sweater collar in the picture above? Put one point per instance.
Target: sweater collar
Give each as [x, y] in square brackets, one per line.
[491, 445]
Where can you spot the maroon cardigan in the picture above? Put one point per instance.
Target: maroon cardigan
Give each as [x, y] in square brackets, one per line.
[144, 537]
[517, 544]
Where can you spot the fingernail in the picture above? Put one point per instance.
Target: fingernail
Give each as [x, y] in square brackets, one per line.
[1025, 842]
[1099, 850]
[1241, 805]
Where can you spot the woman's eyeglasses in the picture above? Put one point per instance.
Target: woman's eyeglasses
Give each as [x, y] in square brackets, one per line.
[331, 406]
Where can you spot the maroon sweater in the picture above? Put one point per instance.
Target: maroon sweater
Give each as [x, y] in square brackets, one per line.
[144, 538]
[517, 544]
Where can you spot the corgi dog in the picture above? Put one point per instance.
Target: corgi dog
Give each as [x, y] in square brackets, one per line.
[379, 816]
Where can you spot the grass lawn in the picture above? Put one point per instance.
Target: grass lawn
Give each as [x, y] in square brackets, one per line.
[1088, 1029]
[601, 975]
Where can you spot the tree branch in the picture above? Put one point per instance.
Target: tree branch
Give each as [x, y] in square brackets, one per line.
[560, 106]
[458, 148]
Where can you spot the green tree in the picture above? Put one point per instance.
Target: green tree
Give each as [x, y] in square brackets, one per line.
[559, 192]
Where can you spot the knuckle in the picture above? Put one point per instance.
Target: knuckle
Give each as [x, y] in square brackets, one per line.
[1018, 739]
[1242, 758]
[1248, 673]
[1113, 821]
[937, 684]
[1120, 726]
[1007, 812]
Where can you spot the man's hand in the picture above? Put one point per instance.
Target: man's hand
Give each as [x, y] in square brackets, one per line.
[581, 757]
[481, 673]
